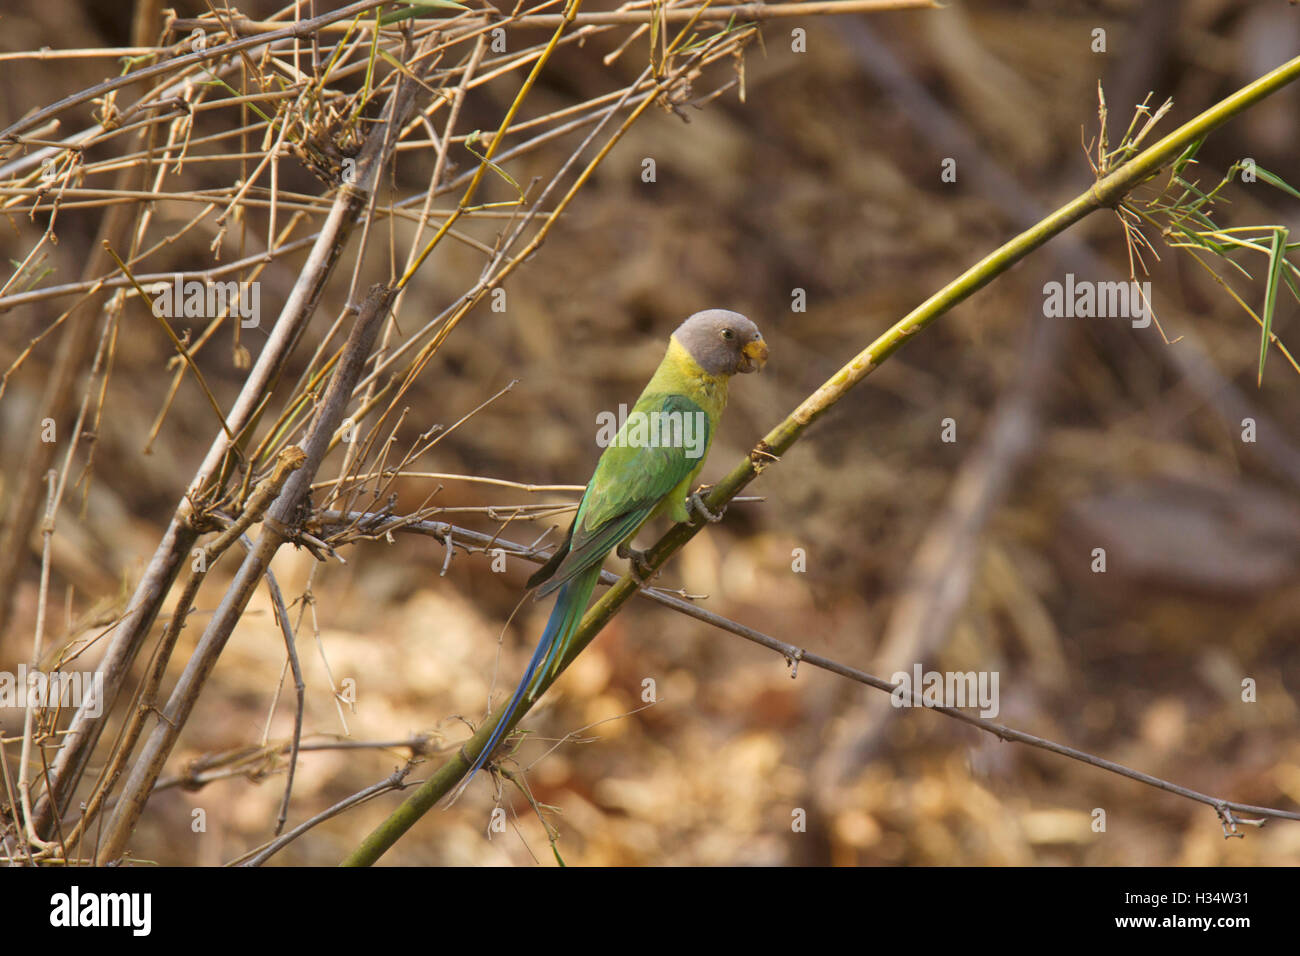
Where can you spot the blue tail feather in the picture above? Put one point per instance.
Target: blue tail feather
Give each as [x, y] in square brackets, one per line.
[570, 603]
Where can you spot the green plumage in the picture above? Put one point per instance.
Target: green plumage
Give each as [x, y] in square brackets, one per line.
[634, 482]
[640, 475]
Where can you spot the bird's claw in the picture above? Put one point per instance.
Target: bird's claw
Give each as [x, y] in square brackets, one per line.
[640, 567]
[695, 506]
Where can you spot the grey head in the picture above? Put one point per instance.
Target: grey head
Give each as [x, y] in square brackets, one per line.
[723, 342]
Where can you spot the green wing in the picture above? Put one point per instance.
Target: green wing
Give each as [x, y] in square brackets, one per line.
[628, 484]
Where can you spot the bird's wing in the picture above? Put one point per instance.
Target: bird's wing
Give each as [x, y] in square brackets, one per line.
[546, 570]
[629, 482]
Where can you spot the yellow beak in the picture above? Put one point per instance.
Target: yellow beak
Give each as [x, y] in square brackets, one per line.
[755, 354]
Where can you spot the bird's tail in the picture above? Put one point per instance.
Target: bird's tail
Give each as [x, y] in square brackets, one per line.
[570, 603]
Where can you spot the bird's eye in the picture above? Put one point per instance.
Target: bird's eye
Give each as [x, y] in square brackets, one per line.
[728, 334]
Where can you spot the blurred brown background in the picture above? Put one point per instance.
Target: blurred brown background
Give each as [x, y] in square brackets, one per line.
[826, 179]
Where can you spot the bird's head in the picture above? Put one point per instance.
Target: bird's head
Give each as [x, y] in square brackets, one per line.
[722, 342]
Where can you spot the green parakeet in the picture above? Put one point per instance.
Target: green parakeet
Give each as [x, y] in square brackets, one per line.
[647, 469]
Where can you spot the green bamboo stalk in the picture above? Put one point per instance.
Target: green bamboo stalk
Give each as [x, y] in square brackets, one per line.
[1103, 194]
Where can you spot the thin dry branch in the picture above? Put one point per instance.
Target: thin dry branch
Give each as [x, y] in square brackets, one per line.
[1104, 194]
[277, 529]
[472, 541]
[242, 107]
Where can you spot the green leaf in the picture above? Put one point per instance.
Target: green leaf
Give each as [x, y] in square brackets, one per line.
[416, 7]
[1188, 155]
[1276, 257]
[397, 64]
[473, 138]
[1291, 284]
[1277, 182]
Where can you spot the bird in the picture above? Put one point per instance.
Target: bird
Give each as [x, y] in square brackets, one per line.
[647, 469]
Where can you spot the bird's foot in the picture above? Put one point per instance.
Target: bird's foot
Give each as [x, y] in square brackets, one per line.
[696, 507]
[640, 567]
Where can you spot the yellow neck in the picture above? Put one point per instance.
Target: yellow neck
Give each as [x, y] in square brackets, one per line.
[681, 370]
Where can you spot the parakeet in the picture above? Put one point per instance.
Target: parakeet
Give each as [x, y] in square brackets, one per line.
[648, 469]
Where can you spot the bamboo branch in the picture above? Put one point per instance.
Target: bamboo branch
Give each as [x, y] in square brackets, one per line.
[1101, 195]
[300, 29]
[147, 696]
[169, 557]
[794, 654]
[740, 12]
[277, 529]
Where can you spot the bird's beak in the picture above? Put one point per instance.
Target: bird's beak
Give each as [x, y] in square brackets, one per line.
[755, 354]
